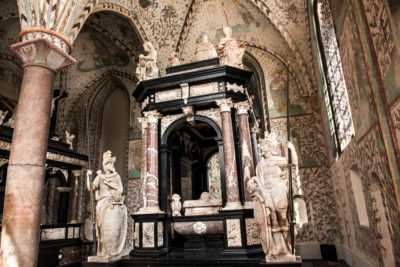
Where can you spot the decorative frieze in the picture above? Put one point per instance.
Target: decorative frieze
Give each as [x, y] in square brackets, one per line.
[233, 233]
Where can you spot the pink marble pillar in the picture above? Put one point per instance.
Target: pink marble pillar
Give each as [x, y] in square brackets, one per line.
[151, 183]
[25, 178]
[145, 124]
[245, 144]
[231, 174]
[73, 211]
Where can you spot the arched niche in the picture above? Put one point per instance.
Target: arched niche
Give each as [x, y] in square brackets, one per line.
[184, 175]
[115, 128]
[359, 197]
[382, 225]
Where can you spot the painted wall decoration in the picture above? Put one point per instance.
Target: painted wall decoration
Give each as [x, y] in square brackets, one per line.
[357, 80]
[382, 36]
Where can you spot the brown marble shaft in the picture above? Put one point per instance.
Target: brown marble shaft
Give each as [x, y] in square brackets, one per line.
[25, 179]
[231, 175]
[246, 147]
[152, 164]
[74, 197]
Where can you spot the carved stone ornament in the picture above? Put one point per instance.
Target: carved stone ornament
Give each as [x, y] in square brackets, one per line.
[152, 117]
[242, 107]
[41, 52]
[69, 139]
[270, 194]
[231, 53]
[111, 212]
[189, 113]
[3, 115]
[225, 105]
[147, 66]
[205, 49]
[176, 205]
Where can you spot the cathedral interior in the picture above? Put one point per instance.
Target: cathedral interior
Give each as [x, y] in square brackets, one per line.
[199, 133]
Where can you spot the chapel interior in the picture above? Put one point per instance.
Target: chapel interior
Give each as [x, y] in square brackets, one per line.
[199, 133]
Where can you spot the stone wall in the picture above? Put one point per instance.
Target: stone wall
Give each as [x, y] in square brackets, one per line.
[367, 48]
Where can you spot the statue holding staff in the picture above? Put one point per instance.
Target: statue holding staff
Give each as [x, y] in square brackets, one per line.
[111, 212]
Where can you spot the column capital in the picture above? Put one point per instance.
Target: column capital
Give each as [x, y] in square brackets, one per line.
[41, 52]
[242, 107]
[152, 116]
[143, 121]
[76, 173]
[225, 104]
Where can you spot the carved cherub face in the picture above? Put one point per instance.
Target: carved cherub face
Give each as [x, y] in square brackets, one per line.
[176, 197]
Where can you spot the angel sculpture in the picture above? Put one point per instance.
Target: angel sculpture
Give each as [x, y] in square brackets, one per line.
[111, 212]
[147, 65]
[69, 139]
[270, 194]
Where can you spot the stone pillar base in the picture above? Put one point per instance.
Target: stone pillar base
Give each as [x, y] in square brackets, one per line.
[233, 206]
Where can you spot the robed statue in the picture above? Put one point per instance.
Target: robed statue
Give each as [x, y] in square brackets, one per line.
[231, 52]
[269, 191]
[111, 212]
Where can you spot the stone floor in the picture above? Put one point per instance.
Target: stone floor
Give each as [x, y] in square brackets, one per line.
[321, 263]
[314, 263]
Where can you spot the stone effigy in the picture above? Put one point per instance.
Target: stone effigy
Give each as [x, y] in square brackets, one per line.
[111, 212]
[205, 49]
[231, 53]
[269, 191]
[147, 66]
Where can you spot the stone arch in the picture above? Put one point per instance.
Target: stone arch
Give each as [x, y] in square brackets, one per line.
[106, 6]
[360, 200]
[180, 121]
[271, 11]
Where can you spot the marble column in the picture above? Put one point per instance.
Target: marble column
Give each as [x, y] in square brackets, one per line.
[242, 111]
[231, 173]
[151, 183]
[73, 210]
[25, 178]
[143, 168]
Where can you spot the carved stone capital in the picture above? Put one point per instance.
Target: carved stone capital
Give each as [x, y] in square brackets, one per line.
[225, 105]
[152, 117]
[41, 52]
[144, 122]
[242, 107]
[76, 173]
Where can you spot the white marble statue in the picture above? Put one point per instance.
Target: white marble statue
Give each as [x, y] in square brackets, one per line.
[147, 65]
[69, 139]
[176, 205]
[3, 115]
[111, 212]
[205, 49]
[270, 194]
[231, 53]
